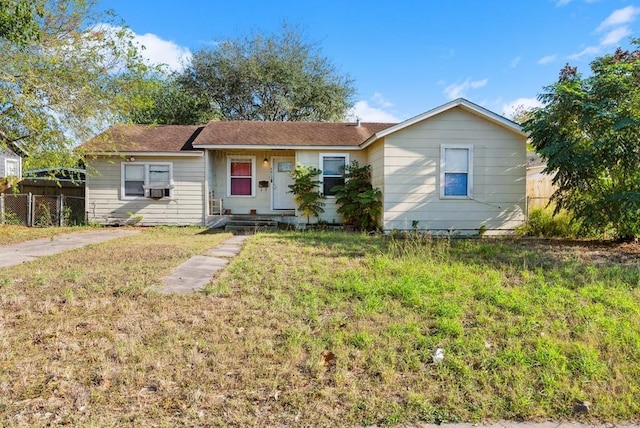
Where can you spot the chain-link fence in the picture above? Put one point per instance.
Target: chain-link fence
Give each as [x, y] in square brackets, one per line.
[41, 210]
[73, 213]
[15, 209]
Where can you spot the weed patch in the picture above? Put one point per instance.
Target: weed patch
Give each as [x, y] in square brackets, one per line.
[322, 329]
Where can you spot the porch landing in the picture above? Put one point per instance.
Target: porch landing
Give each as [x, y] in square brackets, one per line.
[247, 223]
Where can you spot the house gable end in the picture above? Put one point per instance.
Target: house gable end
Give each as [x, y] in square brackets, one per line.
[461, 103]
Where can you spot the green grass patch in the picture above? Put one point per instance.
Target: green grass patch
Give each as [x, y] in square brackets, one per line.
[543, 222]
[323, 329]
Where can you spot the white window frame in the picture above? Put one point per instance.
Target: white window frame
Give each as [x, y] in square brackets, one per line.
[18, 167]
[321, 163]
[147, 186]
[253, 175]
[444, 170]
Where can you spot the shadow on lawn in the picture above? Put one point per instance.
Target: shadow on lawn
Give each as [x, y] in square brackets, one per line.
[553, 253]
[505, 254]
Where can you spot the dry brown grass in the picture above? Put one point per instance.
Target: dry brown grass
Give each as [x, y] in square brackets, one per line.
[10, 234]
[84, 341]
[293, 333]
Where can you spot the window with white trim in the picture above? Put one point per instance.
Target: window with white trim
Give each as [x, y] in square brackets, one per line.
[241, 176]
[151, 180]
[12, 167]
[332, 166]
[456, 171]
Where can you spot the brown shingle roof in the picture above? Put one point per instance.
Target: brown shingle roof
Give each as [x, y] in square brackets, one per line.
[175, 138]
[144, 138]
[254, 133]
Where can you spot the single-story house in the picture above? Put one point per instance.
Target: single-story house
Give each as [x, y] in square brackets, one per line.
[458, 167]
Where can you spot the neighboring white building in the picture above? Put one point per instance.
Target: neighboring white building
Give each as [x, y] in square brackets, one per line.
[10, 164]
[458, 167]
[10, 168]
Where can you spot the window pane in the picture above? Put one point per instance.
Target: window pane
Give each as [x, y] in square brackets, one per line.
[134, 172]
[328, 184]
[456, 160]
[13, 168]
[455, 184]
[241, 186]
[159, 174]
[133, 188]
[241, 168]
[333, 165]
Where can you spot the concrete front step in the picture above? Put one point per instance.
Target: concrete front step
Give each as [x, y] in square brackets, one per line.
[250, 224]
[230, 227]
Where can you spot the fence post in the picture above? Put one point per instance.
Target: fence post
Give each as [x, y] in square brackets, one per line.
[60, 203]
[1, 208]
[30, 210]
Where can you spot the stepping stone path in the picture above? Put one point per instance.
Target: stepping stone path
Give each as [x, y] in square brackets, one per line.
[197, 272]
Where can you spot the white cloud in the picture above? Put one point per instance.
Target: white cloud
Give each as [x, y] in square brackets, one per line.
[514, 62]
[614, 36]
[547, 59]
[509, 109]
[589, 50]
[152, 48]
[376, 109]
[617, 31]
[560, 3]
[380, 101]
[619, 17]
[459, 90]
[160, 51]
[366, 113]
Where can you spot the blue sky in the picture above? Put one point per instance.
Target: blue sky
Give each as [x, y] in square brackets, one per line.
[407, 57]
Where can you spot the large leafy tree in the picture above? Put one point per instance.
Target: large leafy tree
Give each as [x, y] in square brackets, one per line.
[589, 133]
[163, 101]
[66, 72]
[276, 77]
[19, 20]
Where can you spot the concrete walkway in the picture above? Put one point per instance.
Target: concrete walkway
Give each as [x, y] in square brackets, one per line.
[27, 251]
[197, 272]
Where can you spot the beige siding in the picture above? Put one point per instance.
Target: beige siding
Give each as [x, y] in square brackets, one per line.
[375, 155]
[105, 205]
[312, 158]
[412, 175]
[261, 201]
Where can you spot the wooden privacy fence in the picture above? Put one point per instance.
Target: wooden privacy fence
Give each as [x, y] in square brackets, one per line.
[41, 210]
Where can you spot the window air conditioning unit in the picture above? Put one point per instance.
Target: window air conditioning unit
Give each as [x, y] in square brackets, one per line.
[156, 193]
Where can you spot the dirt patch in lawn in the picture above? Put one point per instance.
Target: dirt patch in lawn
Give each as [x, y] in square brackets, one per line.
[590, 251]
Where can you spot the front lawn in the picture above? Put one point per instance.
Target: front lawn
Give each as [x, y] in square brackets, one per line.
[12, 234]
[322, 329]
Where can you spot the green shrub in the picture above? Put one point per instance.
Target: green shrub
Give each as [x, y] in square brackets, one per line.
[358, 201]
[543, 223]
[305, 191]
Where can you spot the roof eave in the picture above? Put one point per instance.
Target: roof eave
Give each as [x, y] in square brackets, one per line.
[192, 153]
[274, 147]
